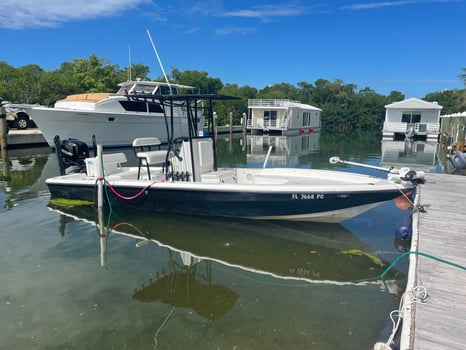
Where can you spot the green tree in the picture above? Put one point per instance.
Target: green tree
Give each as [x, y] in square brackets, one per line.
[26, 86]
[236, 107]
[197, 79]
[448, 99]
[283, 91]
[7, 75]
[395, 96]
[138, 71]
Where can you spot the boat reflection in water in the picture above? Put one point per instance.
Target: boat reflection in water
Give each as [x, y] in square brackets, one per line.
[417, 155]
[296, 251]
[285, 149]
[23, 172]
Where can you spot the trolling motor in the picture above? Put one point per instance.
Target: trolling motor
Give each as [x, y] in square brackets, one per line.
[396, 175]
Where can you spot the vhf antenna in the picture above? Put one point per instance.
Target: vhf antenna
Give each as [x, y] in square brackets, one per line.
[160, 62]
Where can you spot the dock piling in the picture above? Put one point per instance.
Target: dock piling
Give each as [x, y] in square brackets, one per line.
[3, 129]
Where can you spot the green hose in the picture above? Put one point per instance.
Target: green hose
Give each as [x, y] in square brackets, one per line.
[382, 275]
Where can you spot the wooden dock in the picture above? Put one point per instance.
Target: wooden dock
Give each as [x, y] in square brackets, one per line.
[33, 137]
[24, 138]
[439, 321]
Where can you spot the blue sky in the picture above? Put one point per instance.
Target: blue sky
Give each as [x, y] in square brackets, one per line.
[412, 46]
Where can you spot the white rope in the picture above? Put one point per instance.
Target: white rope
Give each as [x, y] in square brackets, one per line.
[160, 328]
[416, 294]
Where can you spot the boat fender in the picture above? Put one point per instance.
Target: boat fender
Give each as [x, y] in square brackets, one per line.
[403, 231]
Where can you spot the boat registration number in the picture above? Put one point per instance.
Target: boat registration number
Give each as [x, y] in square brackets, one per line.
[307, 196]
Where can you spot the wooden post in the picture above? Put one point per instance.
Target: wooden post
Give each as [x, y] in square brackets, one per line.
[4, 145]
[243, 124]
[6, 175]
[3, 129]
[231, 123]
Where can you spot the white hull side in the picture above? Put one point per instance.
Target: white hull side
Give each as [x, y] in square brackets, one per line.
[332, 217]
[110, 129]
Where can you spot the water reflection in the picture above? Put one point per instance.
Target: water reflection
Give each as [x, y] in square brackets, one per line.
[285, 149]
[296, 251]
[23, 173]
[188, 284]
[418, 155]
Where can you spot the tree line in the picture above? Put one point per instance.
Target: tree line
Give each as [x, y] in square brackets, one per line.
[344, 106]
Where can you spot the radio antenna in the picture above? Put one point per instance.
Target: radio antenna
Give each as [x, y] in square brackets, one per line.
[129, 62]
[160, 62]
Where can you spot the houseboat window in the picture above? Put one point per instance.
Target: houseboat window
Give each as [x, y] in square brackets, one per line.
[306, 118]
[270, 115]
[270, 118]
[411, 117]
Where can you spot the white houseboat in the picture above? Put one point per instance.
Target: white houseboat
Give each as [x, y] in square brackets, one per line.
[282, 117]
[412, 118]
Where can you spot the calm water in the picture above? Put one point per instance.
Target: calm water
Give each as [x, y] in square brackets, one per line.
[174, 282]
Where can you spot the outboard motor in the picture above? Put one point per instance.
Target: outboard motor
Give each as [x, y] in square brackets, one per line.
[71, 154]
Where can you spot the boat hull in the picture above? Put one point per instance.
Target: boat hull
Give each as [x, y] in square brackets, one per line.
[253, 202]
[110, 128]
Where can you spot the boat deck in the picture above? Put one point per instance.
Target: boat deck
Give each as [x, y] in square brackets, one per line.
[439, 322]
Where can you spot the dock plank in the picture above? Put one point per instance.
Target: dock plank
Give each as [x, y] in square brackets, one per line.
[440, 322]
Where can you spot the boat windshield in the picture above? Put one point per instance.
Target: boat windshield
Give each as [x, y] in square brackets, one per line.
[147, 89]
[165, 90]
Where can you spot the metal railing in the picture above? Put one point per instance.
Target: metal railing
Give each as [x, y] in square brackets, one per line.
[267, 103]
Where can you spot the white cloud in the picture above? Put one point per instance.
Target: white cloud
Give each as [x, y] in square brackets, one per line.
[24, 14]
[267, 11]
[421, 81]
[373, 5]
[232, 29]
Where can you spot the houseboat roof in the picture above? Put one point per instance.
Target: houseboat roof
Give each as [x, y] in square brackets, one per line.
[414, 103]
[279, 103]
[453, 115]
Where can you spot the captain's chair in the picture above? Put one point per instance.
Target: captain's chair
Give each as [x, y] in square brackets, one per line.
[147, 151]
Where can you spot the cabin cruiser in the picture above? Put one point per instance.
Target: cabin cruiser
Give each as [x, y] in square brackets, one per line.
[116, 119]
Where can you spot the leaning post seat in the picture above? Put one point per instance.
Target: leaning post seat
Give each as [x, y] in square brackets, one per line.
[147, 151]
